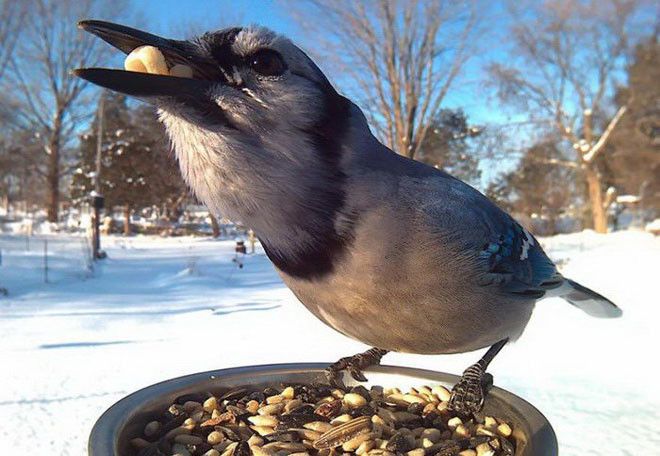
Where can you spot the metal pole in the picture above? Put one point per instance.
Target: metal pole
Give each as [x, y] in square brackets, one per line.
[45, 260]
[28, 231]
[3, 290]
[96, 232]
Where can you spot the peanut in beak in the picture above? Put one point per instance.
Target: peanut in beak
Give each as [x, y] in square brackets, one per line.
[149, 59]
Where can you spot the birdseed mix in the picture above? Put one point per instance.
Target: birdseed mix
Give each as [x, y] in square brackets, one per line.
[312, 419]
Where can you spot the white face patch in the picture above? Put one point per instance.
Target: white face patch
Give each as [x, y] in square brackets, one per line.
[527, 243]
[250, 93]
[238, 79]
[227, 76]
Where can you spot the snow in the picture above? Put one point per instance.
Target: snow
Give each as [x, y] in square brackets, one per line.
[654, 226]
[159, 308]
[630, 199]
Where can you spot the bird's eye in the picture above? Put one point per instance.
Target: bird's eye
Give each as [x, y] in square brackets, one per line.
[267, 63]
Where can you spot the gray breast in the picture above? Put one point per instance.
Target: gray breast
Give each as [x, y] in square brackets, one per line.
[406, 285]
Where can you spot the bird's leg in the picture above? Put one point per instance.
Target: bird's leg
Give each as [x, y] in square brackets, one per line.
[467, 396]
[354, 364]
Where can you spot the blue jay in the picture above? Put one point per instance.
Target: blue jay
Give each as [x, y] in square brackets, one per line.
[384, 249]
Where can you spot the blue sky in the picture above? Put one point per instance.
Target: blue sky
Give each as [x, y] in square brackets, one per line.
[173, 18]
[166, 14]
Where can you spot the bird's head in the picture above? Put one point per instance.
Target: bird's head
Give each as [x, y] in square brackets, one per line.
[256, 126]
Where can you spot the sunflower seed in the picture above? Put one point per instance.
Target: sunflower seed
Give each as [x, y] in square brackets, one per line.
[307, 434]
[179, 449]
[139, 443]
[263, 430]
[343, 433]
[354, 400]
[292, 405]
[356, 441]
[504, 430]
[188, 439]
[258, 451]
[264, 420]
[365, 447]
[152, 428]
[215, 437]
[318, 426]
[272, 409]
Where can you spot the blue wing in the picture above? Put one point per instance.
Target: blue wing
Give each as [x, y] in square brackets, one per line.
[516, 262]
[511, 258]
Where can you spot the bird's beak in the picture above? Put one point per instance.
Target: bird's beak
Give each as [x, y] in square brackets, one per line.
[149, 87]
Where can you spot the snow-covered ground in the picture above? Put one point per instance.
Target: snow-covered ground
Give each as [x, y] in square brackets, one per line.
[160, 308]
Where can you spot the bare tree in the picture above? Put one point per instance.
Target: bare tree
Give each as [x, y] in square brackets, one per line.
[12, 15]
[47, 100]
[401, 57]
[565, 60]
[19, 154]
[530, 191]
[635, 154]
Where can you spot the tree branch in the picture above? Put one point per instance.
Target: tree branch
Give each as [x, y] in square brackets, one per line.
[555, 161]
[600, 144]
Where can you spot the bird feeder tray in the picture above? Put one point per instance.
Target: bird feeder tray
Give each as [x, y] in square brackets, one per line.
[126, 419]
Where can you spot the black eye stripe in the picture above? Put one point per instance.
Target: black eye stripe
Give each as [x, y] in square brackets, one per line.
[219, 45]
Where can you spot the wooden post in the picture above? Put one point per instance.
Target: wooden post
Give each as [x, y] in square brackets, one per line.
[252, 239]
[127, 220]
[215, 226]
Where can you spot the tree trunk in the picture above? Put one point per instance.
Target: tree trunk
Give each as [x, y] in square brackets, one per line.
[53, 175]
[127, 220]
[5, 202]
[596, 202]
[215, 226]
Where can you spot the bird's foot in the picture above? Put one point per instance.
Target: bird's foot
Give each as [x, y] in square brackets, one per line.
[354, 365]
[468, 395]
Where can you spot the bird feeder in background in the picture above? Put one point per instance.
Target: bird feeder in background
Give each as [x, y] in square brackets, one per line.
[98, 202]
[240, 251]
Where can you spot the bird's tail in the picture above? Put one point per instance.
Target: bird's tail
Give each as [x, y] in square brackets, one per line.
[587, 300]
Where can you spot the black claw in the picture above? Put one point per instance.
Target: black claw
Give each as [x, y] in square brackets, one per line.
[357, 374]
[334, 378]
[354, 365]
